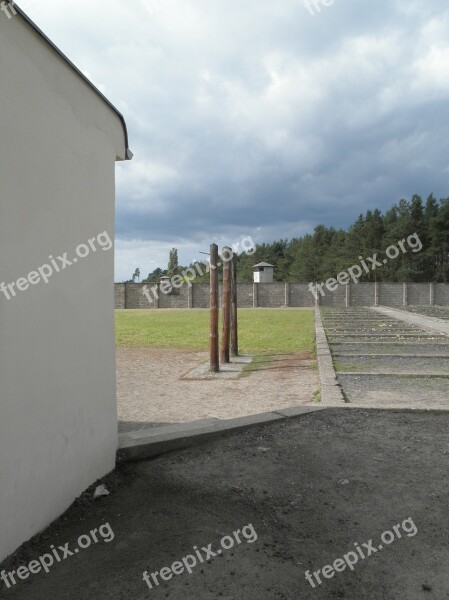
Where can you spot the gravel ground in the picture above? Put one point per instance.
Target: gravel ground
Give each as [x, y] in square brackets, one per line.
[310, 487]
[392, 364]
[397, 392]
[150, 391]
[390, 348]
[363, 332]
[373, 333]
[378, 326]
[410, 339]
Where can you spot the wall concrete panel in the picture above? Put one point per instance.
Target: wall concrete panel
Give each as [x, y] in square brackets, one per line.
[245, 295]
[362, 294]
[336, 298]
[300, 295]
[418, 293]
[442, 293]
[391, 294]
[271, 295]
[200, 295]
[119, 295]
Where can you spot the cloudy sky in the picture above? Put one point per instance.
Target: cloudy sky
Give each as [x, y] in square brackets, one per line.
[259, 118]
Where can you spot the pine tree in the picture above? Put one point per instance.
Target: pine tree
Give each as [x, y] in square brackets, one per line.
[173, 266]
[440, 235]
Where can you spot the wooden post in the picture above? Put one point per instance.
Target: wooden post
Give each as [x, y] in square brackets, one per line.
[213, 342]
[226, 310]
[234, 322]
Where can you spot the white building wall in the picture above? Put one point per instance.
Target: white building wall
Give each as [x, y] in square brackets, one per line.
[58, 424]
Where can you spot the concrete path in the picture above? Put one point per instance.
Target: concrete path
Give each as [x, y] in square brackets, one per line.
[331, 393]
[146, 443]
[430, 323]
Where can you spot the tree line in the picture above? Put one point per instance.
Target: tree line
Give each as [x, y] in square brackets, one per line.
[328, 251]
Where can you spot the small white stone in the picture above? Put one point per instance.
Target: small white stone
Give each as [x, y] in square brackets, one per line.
[101, 491]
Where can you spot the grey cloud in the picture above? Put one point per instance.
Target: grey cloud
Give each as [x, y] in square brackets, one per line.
[246, 115]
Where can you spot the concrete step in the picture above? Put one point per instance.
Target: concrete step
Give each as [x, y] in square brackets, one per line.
[147, 443]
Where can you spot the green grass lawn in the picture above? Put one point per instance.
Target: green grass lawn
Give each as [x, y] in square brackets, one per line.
[261, 331]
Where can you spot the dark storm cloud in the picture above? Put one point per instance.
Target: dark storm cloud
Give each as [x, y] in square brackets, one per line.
[258, 117]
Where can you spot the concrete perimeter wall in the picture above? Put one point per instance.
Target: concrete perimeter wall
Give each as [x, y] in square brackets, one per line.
[273, 295]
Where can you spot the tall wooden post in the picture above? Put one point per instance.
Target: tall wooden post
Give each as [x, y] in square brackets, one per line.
[234, 323]
[213, 342]
[226, 310]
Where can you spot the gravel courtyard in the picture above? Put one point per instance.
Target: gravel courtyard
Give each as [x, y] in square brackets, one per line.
[151, 391]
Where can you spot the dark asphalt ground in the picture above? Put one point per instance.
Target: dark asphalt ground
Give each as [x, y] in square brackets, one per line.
[310, 487]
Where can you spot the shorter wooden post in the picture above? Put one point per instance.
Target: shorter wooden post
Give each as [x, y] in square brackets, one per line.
[213, 342]
[226, 310]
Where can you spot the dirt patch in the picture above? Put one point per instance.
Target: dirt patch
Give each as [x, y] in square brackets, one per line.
[150, 390]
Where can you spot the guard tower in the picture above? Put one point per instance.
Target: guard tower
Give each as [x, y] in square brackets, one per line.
[263, 273]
